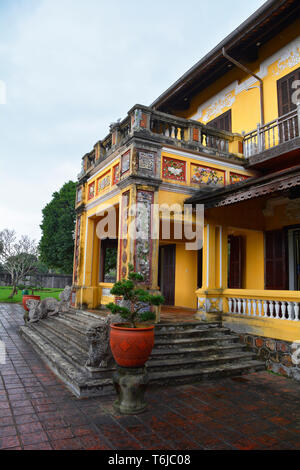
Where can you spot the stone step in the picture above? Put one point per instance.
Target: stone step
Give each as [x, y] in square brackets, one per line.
[84, 317]
[183, 353]
[190, 333]
[194, 342]
[65, 332]
[193, 362]
[71, 352]
[79, 383]
[162, 354]
[199, 325]
[197, 374]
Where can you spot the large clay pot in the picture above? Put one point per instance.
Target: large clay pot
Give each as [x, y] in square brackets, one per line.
[131, 347]
[27, 297]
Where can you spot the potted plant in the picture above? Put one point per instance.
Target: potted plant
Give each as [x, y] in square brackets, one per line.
[132, 342]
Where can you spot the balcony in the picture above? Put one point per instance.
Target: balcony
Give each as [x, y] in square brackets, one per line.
[276, 138]
[165, 129]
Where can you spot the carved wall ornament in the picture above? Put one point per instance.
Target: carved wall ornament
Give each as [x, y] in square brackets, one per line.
[91, 191]
[103, 182]
[125, 162]
[116, 174]
[174, 169]
[146, 161]
[237, 178]
[205, 175]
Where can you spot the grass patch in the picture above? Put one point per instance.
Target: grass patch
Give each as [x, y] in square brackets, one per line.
[43, 293]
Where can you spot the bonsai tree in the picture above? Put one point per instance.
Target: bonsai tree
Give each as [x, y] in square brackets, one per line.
[135, 297]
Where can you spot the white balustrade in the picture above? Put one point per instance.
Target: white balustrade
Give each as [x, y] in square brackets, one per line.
[276, 309]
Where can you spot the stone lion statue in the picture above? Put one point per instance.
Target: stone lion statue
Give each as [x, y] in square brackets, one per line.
[100, 355]
[48, 307]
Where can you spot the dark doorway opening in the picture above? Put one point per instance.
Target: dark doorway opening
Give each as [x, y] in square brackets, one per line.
[166, 273]
[108, 260]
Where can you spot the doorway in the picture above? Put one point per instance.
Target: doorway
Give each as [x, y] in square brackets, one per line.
[166, 273]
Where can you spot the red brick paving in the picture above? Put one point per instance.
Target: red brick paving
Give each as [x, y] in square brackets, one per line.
[258, 411]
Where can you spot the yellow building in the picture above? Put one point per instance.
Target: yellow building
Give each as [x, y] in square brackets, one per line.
[224, 137]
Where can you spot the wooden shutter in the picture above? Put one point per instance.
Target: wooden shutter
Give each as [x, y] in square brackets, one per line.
[285, 92]
[235, 277]
[222, 122]
[276, 276]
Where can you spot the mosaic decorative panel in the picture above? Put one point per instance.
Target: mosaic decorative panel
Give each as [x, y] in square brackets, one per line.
[205, 175]
[77, 248]
[143, 226]
[125, 162]
[146, 161]
[103, 182]
[91, 191]
[173, 169]
[125, 201]
[116, 174]
[236, 178]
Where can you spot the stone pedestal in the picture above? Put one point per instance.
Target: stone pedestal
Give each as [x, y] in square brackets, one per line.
[130, 385]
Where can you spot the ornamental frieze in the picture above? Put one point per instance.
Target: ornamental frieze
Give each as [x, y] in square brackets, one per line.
[205, 175]
[173, 169]
[103, 182]
[236, 178]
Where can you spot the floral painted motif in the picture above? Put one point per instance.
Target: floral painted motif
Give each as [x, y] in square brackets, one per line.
[91, 192]
[103, 183]
[116, 174]
[173, 169]
[205, 175]
[235, 178]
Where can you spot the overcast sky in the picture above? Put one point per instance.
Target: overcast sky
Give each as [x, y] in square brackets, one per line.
[71, 67]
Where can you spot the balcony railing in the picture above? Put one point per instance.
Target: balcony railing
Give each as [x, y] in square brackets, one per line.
[163, 127]
[265, 304]
[279, 131]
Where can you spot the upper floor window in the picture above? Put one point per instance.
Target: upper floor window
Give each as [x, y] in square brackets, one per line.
[222, 122]
[286, 91]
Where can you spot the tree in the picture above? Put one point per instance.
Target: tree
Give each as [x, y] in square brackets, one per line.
[58, 225]
[18, 256]
[135, 297]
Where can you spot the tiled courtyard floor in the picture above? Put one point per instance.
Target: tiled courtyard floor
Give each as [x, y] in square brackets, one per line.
[258, 411]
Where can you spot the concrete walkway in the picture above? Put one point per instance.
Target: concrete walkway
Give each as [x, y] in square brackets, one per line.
[258, 411]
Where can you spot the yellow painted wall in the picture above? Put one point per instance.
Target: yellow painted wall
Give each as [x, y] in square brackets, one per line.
[253, 269]
[185, 277]
[245, 104]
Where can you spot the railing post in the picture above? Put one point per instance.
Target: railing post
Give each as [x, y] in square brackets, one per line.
[259, 139]
[298, 114]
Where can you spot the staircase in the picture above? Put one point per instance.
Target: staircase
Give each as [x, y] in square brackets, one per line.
[183, 353]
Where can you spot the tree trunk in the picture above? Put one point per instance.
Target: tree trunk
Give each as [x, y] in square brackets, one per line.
[14, 292]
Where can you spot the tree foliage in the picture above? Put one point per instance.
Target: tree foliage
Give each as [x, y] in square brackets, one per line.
[19, 257]
[57, 244]
[137, 299]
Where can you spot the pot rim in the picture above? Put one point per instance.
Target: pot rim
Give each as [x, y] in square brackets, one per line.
[118, 326]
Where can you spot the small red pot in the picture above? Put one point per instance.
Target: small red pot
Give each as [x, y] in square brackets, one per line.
[131, 347]
[27, 297]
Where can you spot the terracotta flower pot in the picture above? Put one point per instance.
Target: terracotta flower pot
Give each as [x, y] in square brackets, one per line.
[131, 347]
[27, 297]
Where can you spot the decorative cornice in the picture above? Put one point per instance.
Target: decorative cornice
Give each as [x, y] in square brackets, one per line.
[140, 180]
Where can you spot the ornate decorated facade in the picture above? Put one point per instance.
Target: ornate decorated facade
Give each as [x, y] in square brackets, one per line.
[225, 136]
